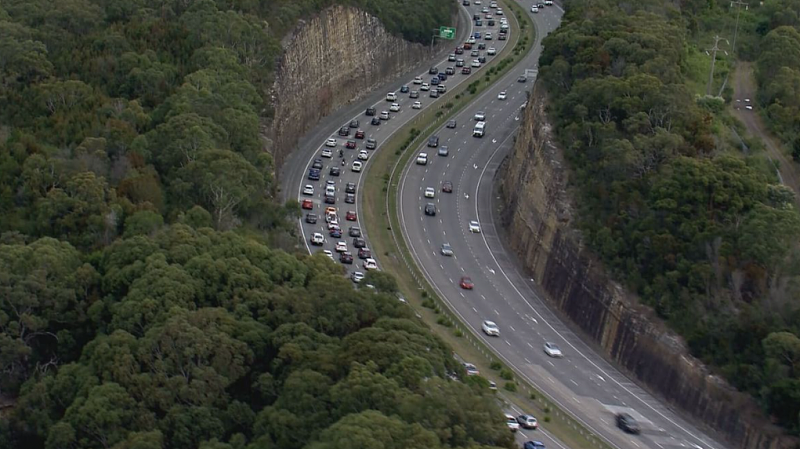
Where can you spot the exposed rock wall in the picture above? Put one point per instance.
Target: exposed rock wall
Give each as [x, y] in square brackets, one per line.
[537, 219]
[328, 60]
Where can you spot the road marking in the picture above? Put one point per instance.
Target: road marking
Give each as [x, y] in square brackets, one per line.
[576, 383]
[476, 310]
[551, 363]
[496, 312]
[512, 328]
[531, 346]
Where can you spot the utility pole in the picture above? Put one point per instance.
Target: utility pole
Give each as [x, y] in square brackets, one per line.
[713, 51]
[738, 4]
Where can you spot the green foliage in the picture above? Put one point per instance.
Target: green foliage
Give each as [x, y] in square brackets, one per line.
[510, 386]
[703, 235]
[506, 374]
[496, 365]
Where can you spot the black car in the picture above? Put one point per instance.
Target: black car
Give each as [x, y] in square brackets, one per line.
[346, 258]
[430, 209]
[627, 423]
[370, 112]
[330, 200]
[350, 198]
[375, 121]
[311, 218]
[313, 174]
[317, 164]
[354, 123]
[482, 59]
[451, 124]
[481, 46]
[476, 16]
[433, 70]
[371, 144]
[404, 90]
[447, 187]
[442, 76]
[358, 242]
[490, 22]
[433, 141]
[344, 131]
[434, 94]
[350, 187]
[459, 51]
[354, 231]
[335, 171]
[413, 94]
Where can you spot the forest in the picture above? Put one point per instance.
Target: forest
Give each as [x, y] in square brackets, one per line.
[146, 299]
[703, 233]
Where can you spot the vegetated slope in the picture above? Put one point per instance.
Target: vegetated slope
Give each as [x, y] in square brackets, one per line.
[192, 338]
[702, 234]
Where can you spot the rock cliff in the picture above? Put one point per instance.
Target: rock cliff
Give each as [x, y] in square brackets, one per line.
[537, 220]
[328, 60]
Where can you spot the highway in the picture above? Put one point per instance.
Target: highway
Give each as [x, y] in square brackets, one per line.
[582, 382]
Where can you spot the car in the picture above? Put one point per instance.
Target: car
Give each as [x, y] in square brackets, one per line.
[341, 247]
[375, 121]
[357, 276]
[749, 107]
[416, 105]
[359, 134]
[330, 190]
[459, 62]
[317, 164]
[527, 422]
[344, 131]
[351, 216]
[548, 2]
[391, 96]
[479, 23]
[441, 88]
[451, 124]
[395, 107]
[335, 233]
[308, 189]
[334, 171]
[384, 115]
[467, 46]
[370, 264]
[354, 231]
[451, 57]
[350, 187]
[501, 37]
[333, 224]
[512, 423]
[442, 76]
[371, 144]
[466, 283]
[627, 423]
[358, 242]
[492, 385]
[350, 198]
[475, 53]
[330, 200]
[422, 159]
[434, 94]
[346, 258]
[313, 174]
[330, 142]
[429, 192]
[430, 210]
[472, 370]
[357, 166]
[317, 239]
[466, 71]
[354, 123]
[413, 94]
[535, 9]
[447, 187]
[326, 152]
[363, 155]
[476, 63]
[501, 95]
[480, 116]
[443, 150]
[450, 70]
[552, 350]
[311, 218]
[522, 79]
[490, 328]
[433, 141]
[350, 144]
[446, 250]
[328, 253]
[307, 204]
[425, 87]
[370, 112]
[533, 445]
[433, 71]
[474, 226]
[491, 51]
[417, 80]
[404, 89]
[482, 59]
[364, 253]
[459, 50]
[499, 12]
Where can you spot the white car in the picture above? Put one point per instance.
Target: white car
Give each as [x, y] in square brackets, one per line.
[552, 350]
[472, 370]
[384, 115]
[476, 63]
[491, 51]
[328, 253]
[512, 423]
[474, 226]
[418, 80]
[535, 9]
[422, 159]
[357, 166]
[326, 152]
[330, 142]
[341, 247]
[429, 192]
[425, 86]
[528, 422]
[357, 276]
[370, 264]
[395, 107]
[363, 155]
[548, 2]
[490, 328]
[749, 107]
[501, 95]
[391, 96]
[480, 116]
[317, 239]
[416, 105]
[499, 12]
[308, 189]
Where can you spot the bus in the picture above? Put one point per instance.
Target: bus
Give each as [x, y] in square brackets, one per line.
[479, 130]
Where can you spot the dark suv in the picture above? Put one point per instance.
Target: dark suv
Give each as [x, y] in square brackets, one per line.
[627, 423]
[430, 209]
[370, 111]
[433, 141]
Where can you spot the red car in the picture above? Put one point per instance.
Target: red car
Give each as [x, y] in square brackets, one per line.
[467, 46]
[359, 134]
[351, 216]
[466, 71]
[308, 204]
[350, 144]
[466, 283]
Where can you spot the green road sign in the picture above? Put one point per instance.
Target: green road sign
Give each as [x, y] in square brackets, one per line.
[447, 33]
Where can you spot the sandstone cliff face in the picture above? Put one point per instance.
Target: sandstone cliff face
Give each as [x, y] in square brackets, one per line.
[329, 60]
[538, 222]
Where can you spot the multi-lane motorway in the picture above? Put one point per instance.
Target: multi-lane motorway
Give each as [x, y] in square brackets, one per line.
[582, 382]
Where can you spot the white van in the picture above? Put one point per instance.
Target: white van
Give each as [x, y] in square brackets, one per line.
[479, 130]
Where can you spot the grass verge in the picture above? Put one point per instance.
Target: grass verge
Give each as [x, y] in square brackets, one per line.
[383, 228]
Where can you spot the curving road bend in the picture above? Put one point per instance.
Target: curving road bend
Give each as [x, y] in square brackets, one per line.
[581, 382]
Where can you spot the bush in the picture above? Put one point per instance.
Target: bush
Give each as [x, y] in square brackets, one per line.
[496, 365]
[506, 374]
[510, 386]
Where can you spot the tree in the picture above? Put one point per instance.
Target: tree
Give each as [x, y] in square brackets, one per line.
[784, 347]
[371, 430]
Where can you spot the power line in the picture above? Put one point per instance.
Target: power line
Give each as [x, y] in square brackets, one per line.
[713, 51]
[738, 4]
